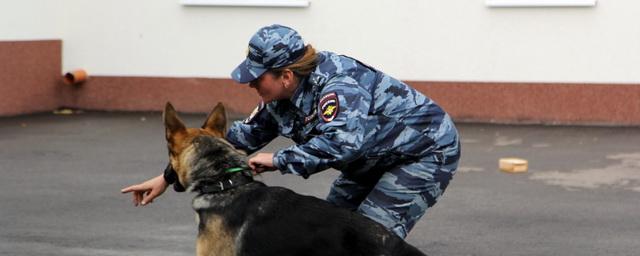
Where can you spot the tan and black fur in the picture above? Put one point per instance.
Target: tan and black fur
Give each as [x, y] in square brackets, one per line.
[250, 218]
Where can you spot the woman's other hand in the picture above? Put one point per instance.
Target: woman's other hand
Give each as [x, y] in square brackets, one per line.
[145, 192]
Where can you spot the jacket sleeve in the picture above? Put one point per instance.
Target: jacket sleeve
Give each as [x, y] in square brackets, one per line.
[254, 132]
[341, 138]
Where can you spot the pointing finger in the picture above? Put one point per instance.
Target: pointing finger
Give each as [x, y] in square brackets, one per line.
[129, 189]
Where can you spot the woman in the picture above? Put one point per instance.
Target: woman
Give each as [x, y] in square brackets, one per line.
[397, 149]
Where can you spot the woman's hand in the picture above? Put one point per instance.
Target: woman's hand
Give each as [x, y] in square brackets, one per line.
[262, 162]
[145, 192]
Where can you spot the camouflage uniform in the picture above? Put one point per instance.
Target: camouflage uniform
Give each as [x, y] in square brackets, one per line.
[396, 148]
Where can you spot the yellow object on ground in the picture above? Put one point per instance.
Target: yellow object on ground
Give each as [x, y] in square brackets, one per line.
[64, 111]
[513, 165]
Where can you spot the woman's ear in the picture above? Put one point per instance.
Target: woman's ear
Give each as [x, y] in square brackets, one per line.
[288, 79]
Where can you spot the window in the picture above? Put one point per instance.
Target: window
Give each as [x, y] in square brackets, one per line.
[252, 3]
[540, 3]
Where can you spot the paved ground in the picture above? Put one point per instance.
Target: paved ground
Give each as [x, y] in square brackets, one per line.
[60, 178]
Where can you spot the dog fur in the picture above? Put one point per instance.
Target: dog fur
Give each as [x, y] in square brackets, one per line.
[253, 219]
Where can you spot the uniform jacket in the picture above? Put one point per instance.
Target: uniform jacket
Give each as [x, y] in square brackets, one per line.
[348, 116]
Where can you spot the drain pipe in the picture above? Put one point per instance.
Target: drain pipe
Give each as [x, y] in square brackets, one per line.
[75, 77]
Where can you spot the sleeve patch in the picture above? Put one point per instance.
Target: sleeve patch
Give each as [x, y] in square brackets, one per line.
[329, 106]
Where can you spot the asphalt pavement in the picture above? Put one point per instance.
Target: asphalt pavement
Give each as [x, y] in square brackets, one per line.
[61, 175]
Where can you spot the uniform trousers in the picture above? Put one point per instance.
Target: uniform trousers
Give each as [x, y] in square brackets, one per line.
[403, 193]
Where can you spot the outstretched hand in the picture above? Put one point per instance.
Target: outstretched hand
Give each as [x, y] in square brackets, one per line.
[262, 162]
[145, 192]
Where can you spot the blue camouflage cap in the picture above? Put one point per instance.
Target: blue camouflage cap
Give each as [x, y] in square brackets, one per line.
[271, 47]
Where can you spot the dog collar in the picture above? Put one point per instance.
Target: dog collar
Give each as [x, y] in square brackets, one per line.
[225, 184]
[236, 169]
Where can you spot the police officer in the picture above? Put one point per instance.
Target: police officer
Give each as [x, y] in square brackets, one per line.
[396, 148]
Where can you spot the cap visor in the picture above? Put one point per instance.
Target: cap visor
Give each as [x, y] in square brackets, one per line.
[245, 73]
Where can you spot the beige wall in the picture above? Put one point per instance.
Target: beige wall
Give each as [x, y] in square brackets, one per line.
[453, 40]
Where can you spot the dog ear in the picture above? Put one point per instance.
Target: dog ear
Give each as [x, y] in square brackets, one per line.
[172, 123]
[217, 121]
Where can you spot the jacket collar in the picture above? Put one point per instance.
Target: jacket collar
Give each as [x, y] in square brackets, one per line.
[303, 96]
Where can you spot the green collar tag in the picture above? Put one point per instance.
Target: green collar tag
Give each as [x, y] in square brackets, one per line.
[232, 170]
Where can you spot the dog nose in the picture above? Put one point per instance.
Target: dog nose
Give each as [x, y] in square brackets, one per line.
[178, 187]
[171, 176]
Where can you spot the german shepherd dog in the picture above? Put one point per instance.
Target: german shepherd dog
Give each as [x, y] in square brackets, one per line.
[237, 215]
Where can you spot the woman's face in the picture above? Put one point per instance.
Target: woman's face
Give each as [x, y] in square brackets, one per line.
[271, 88]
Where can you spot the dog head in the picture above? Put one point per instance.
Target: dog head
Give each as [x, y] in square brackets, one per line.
[190, 147]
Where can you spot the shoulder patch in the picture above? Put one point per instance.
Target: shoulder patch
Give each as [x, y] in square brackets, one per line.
[254, 113]
[329, 106]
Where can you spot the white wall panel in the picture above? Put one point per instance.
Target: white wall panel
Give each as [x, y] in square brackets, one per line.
[459, 40]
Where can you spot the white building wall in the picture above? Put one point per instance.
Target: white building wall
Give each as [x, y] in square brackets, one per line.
[29, 20]
[445, 40]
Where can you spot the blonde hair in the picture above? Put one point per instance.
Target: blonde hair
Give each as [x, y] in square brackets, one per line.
[304, 66]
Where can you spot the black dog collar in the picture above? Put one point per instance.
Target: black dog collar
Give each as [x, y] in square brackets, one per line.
[225, 184]
[171, 177]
